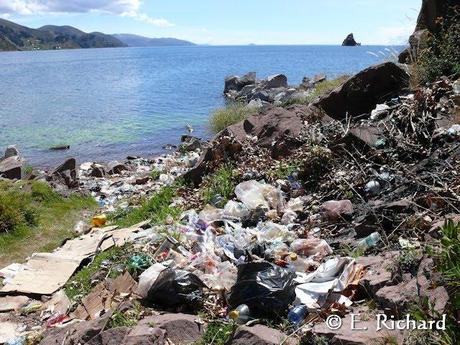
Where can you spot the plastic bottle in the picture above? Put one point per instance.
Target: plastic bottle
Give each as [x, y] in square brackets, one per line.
[297, 314]
[240, 315]
[296, 264]
[369, 241]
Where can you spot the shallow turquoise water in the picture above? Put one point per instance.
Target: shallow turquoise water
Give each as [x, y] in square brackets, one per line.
[109, 103]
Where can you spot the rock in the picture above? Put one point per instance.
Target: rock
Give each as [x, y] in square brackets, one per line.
[79, 333]
[114, 336]
[143, 334]
[377, 272]
[66, 173]
[349, 41]
[11, 151]
[438, 295]
[97, 171]
[235, 83]
[333, 209]
[11, 168]
[345, 335]
[60, 148]
[361, 93]
[179, 328]
[275, 81]
[259, 335]
[319, 78]
[190, 143]
[396, 299]
[115, 167]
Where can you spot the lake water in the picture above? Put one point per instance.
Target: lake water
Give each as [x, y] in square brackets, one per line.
[110, 103]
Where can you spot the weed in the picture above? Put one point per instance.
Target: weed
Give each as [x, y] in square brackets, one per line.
[111, 263]
[219, 185]
[157, 208]
[320, 89]
[407, 261]
[233, 113]
[285, 169]
[216, 333]
[34, 218]
[155, 174]
[449, 255]
[314, 339]
[128, 318]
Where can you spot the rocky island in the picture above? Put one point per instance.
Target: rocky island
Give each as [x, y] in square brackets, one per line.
[349, 41]
[337, 205]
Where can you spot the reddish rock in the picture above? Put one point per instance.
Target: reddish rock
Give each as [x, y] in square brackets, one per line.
[11, 168]
[179, 328]
[259, 335]
[361, 93]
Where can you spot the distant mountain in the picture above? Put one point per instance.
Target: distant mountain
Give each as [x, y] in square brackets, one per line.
[17, 37]
[141, 41]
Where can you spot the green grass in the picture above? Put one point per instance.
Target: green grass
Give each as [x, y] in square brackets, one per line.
[321, 89]
[216, 333]
[233, 113]
[111, 262]
[34, 218]
[128, 318]
[449, 256]
[156, 208]
[221, 184]
[285, 169]
[155, 174]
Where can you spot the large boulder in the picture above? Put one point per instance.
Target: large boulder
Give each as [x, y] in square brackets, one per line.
[275, 81]
[11, 168]
[11, 151]
[349, 41]
[65, 174]
[362, 92]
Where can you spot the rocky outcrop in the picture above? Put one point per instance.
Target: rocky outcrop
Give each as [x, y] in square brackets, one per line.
[360, 94]
[259, 335]
[273, 90]
[427, 23]
[349, 41]
[11, 165]
[64, 176]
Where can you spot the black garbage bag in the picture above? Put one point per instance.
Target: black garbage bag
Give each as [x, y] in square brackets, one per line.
[175, 288]
[265, 288]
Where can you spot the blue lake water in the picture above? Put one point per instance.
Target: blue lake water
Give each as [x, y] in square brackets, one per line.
[110, 103]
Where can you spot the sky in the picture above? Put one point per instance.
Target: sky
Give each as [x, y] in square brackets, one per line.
[228, 22]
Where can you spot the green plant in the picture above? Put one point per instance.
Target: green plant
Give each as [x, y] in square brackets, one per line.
[216, 333]
[155, 174]
[285, 169]
[233, 113]
[220, 184]
[320, 89]
[127, 318]
[111, 262]
[157, 208]
[449, 254]
[34, 218]
[442, 57]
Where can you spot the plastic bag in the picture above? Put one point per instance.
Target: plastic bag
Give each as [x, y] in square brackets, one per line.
[251, 193]
[266, 288]
[311, 246]
[176, 288]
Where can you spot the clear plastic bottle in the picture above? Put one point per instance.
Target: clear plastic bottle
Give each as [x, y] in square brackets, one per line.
[369, 241]
[296, 263]
[240, 315]
[297, 314]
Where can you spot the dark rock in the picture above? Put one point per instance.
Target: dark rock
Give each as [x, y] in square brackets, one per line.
[142, 180]
[115, 167]
[259, 335]
[97, 171]
[11, 168]
[361, 93]
[66, 174]
[235, 83]
[319, 79]
[190, 143]
[60, 148]
[349, 41]
[11, 151]
[179, 328]
[114, 336]
[275, 81]
[430, 12]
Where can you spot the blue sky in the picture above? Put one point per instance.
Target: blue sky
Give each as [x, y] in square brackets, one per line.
[228, 21]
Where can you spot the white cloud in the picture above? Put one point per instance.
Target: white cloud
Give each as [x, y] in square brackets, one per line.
[127, 8]
[142, 17]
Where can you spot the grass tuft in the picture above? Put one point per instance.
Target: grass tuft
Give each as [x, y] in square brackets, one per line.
[217, 333]
[233, 113]
[221, 185]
